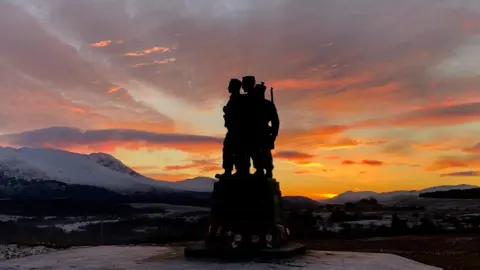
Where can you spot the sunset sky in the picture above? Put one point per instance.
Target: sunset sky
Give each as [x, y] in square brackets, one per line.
[372, 94]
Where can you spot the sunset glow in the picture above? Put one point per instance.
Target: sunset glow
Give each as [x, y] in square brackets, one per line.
[325, 196]
[372, 95]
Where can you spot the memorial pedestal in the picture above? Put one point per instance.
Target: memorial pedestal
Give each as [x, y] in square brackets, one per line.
[246, 220]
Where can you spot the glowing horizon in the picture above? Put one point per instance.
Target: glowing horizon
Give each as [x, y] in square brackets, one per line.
[373, 95]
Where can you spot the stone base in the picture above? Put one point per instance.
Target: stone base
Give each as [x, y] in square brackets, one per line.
[286, 251]
[246, 214]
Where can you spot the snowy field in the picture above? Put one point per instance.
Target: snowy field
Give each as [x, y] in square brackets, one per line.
[147, 257]
[170, 207]
[77, 226]
[69, 224]
[14, 251]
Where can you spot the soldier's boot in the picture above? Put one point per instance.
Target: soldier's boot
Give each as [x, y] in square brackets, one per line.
[227, 173]
[259, 173]
[269, 174]
[241, 173]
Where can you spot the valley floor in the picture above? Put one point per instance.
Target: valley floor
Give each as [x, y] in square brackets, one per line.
[446, 251]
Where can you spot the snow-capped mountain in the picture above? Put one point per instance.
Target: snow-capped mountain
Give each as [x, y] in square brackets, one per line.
[100, 170]
[447, 188]
[353, 196]
[26, 169]
[198, 184]
[112, 163]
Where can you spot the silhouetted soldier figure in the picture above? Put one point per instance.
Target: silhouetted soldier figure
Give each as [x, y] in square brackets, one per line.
[250, 126]
[267, 114]
[232, 116]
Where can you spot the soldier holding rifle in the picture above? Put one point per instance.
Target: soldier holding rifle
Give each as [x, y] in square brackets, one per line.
[253, 124]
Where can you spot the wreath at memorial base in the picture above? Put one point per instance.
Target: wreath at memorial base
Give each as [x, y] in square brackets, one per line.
[238, 237]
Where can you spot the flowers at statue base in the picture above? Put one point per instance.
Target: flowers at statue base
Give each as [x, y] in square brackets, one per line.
[269, 239]
[219, 231]
[283, 234]
[237, 239]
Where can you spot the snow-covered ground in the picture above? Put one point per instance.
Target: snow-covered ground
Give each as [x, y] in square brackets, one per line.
[5, 218]
[15, 251]
[145, 257]
[170, 207]
[77, 226]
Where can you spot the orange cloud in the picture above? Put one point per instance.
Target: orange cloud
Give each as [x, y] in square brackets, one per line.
[165, 61]
[293, 155]
[309, 137]
[113, 89]
[298, 158]
[204, 165]
[348, 162]
[158, 62]
[446, 162]
[437, 145]
[148, 51]
[474, 149]
[314, 170]
[308, 163]
[134, 54]
[103, 43]
[369, 162]
[323, 137]
[372, 162]
[346, 143]
[156, 49]
[301, 172]
[462, 174]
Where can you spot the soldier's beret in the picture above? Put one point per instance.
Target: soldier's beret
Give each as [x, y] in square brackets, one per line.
[248, 78]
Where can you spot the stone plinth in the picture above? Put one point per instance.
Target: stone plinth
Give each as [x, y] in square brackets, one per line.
[246, 214]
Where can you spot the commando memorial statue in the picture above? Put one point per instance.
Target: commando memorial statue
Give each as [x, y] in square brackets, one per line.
[246, 214]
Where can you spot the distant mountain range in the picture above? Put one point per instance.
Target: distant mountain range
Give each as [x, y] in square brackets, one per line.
[471, 193]
[385, 197]
[44, 173]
